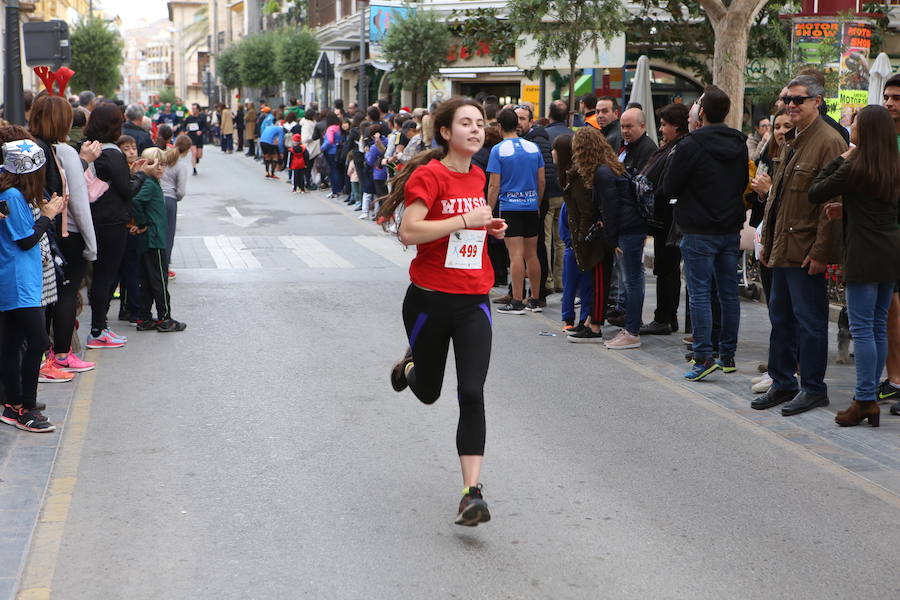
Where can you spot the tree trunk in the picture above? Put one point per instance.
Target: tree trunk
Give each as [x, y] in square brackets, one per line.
[729, 64]
[732, 28]
[571, 118]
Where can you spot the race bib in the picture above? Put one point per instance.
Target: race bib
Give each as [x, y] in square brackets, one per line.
[464, 249]
[179, 113]
[193, 127]
[156, 116]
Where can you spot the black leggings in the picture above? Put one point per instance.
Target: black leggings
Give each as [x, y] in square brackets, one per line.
[63, 312]
[22, 347]
[111, 240]
[432, 319]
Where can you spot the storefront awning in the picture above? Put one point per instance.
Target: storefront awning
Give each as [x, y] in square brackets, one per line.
[584, 85]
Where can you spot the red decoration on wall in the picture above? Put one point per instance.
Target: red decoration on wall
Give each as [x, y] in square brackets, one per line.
[60, 78]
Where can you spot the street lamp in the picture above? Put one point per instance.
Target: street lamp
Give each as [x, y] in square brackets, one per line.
[13, 93]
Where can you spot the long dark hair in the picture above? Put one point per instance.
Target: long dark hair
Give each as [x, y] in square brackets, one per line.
[563, 147]
[30, 184]
[876, 165]
[774, 149]
[104, 124]
[443, 117]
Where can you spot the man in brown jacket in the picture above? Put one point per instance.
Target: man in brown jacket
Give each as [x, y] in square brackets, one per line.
[798, 242]
[250, 128]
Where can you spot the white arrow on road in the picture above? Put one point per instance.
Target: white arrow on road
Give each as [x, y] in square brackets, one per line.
[236, 218]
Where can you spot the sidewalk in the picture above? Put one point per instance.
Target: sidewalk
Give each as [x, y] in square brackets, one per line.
[26, 461]
[872, 453]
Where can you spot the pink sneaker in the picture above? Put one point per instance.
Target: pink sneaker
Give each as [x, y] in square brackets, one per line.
[624, 341]
[104, 340]
[72, 364]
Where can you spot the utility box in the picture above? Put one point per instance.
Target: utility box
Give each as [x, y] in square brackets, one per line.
[47, 43]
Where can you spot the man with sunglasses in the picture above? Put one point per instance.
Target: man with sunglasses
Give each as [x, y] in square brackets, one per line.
[798, 242]
[890, 387]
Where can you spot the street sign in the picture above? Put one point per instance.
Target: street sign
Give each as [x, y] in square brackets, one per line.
[47, 43]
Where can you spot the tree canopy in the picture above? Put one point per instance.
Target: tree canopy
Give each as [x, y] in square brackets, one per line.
[296, 52]
[417, 47]
[256, 60]
[96, 57]
[563, 28]
[228, 67]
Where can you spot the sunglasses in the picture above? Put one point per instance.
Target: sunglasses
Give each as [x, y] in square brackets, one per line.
[795, 100]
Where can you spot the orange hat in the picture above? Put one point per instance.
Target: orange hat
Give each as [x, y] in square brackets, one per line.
[266, 109]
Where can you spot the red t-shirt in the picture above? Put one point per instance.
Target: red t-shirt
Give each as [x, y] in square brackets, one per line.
[447, 194]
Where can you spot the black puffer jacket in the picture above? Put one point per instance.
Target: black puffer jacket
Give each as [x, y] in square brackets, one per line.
[615, 197]
[114, 206]
[708, 174]
[538, 135]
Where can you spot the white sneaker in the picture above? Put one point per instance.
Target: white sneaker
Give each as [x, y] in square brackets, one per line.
[756, 380]
[762, 386]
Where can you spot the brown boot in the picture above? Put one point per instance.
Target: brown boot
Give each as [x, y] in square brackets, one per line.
[858, 412]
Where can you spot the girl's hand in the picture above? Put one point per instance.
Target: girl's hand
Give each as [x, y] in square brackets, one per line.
[90, 151]
[497, 228]
[834, 211]
[761, 184]
[52, 208]
[138, 165]
[480, 217]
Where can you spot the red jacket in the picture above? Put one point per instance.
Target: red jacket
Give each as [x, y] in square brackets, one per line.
[298, 158]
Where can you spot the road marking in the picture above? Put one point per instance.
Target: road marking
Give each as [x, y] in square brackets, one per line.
[314, 253]
[43, 554]
[388, 248]
[237, 218]
[229, 252]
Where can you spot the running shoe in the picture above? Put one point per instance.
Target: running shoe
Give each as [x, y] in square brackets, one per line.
[170, 325]
[568, 325]
[116, 336]
[701, 371]
[895, 409]
[616, 318]
[31, 420]
[10, 415]
[50, 373]
[104, 340]
[72, 364]
[503, 299]
[472, 508]
[398, 372]
[533, 305]
[887, 390]
[515, 307]
[624, 341]
[147, 325]
[726, 363]
[577, 329]
[762, 386]
[586, 336]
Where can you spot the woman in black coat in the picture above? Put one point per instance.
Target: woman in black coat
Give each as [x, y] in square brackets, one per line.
[111, 214]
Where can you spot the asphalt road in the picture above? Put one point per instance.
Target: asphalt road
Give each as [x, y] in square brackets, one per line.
[262, 454]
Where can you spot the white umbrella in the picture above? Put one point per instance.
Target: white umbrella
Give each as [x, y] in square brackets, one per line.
[640, 93]
[878, 74]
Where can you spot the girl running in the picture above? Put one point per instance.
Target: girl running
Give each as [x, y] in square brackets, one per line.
[447, 217]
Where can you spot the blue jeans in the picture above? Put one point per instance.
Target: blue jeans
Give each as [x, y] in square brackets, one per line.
[867, 307]
[631, 259]
[334, 174]
[798, 311]
[710, 259]
[576, 282]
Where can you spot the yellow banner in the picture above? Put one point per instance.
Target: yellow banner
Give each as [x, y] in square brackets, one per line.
[531, 93]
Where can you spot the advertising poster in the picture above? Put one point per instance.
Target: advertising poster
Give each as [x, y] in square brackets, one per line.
[841, 50]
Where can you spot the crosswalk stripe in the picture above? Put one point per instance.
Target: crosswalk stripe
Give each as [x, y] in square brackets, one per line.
[388, 248]
[314, 253]
[229, 252]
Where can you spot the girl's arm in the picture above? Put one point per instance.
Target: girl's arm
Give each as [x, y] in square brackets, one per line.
[414, 229]
[831, 182]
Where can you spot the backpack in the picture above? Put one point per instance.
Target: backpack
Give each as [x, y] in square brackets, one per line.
[643, 193]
